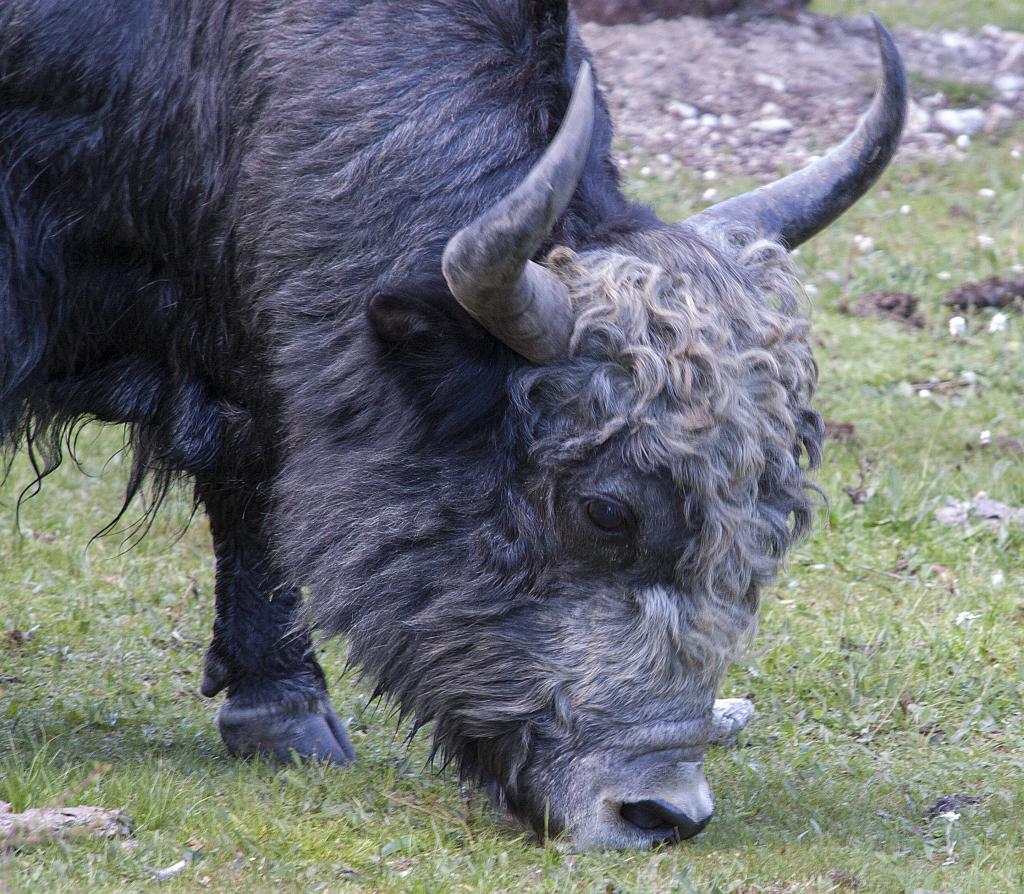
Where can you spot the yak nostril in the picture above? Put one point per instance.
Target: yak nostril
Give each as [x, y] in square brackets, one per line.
[656, 815]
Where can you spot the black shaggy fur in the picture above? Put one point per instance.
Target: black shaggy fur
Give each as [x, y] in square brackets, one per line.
[221, 223]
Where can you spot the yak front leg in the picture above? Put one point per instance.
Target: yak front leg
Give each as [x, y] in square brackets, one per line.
[277, 704]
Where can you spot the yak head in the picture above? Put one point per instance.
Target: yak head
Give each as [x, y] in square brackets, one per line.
[564, 605]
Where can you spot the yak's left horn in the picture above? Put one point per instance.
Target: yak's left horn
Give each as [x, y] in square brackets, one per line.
[488, 264]
[804, 203]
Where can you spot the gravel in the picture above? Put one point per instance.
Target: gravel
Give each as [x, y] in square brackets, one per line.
[762, 96]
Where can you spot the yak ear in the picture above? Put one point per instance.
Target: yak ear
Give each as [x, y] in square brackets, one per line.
[401, 319]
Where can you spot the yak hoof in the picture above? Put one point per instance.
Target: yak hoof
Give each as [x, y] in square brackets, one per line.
[728, 717]
[282, 733]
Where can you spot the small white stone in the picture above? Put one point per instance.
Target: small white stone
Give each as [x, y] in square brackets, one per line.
[987, 193]
[646, 171]
[773, 125]
[728, 717]
[683, 109]
[956, 41]
[905, 209]
[1009, 85]
[998, 579]
[925, 393]
[772, 82]
[1015, 153]
[985, 241]
[709, 194]
[708, 120]
[944, 275]
[998, 323]
[811, 289]
[985, 437]
[950, 816]
[963, 141]
[960, 121]
[957, 326]
[771, 109]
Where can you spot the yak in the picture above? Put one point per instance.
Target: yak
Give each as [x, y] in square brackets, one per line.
[363, 275]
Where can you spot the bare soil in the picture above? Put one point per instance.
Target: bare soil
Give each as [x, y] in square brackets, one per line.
[760, 96]
[617, 12]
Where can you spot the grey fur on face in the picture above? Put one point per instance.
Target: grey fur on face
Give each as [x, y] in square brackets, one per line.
[548, 656]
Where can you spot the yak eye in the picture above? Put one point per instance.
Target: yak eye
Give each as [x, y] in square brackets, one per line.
[608, 515]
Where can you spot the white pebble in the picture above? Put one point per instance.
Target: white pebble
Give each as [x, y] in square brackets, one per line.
[709, 194]
[985, 241]
[998, 579]
[957, 326]
[905, 209]
[985, 437]
[987, 193]
[998, 323]
[963, 141]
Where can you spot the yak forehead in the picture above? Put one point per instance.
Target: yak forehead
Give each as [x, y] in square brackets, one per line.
[677, 365]
[701, 376]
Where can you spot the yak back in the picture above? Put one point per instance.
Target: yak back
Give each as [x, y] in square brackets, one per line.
[199, 199]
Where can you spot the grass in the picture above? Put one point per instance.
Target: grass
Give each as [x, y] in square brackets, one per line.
[963, 14]
[889, 671]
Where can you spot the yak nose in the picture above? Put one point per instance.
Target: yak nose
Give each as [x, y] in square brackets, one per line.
[662, 820]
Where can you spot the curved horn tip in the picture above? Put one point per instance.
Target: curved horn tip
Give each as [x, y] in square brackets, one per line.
[892, 62]
[802, 204]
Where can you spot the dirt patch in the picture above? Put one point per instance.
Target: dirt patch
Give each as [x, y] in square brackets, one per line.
[760, 96]
[948, 803]
[900, 306]
[842, 432]
[996, 291]
[617, 12]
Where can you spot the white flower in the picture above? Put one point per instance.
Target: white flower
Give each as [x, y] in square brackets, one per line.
[709, 194]
[998, 323]
[985, 241]
[905, 209]
[987, 193]
[963, 141]
[944, 275]
[966, 618]
[985, 438]
[957, 326]
[1015, 153]
[924, 393]
[950, 816]
[998, 579]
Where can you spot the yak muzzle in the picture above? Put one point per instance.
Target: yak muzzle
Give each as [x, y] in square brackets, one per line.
[663, 821]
